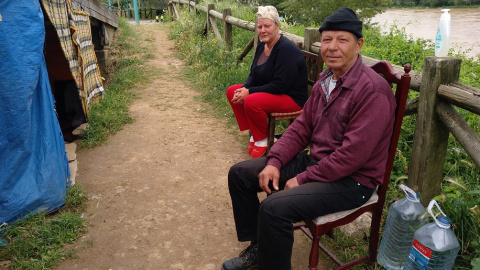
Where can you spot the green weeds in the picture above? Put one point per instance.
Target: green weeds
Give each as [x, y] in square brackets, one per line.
[38, 241]
[111, 114]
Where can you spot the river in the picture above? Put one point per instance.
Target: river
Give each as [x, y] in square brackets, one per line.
[423, 23]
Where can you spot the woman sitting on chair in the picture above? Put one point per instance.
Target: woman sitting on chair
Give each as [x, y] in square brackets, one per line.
[277, 82]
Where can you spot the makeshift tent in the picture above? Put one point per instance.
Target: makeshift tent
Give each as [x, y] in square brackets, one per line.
[34, 168]
[34, 171]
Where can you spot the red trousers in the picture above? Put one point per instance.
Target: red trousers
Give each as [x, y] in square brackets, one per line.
[252, 113]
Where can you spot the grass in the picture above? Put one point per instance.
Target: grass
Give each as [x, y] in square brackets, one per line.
[111, 114]
[39, 241]
[212, 70]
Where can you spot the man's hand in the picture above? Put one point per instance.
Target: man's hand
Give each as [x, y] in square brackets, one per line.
[269, 173]
[291, 183]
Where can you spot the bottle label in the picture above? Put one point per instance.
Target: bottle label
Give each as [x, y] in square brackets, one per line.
[420, 255]
[438, 40]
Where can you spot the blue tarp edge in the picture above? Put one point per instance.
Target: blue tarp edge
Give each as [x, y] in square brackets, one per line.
[34, 169]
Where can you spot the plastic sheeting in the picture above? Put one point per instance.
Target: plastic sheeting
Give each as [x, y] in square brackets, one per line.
[34, 169]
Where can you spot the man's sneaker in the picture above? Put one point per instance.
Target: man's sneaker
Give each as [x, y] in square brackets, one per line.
[248, 260]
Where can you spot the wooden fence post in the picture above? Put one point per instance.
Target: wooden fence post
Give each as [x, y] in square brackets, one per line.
[227, 29]
[190, 8]
[195, 9]
[311, 36]
[256, 38]
[170, 9]
[431, 135]
[209, 7]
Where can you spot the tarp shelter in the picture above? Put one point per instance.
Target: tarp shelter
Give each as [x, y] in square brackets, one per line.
[34, 167]
[34, 171]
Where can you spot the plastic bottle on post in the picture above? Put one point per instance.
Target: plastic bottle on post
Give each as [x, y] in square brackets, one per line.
[402, 221]
[435, 246]
[442, 39]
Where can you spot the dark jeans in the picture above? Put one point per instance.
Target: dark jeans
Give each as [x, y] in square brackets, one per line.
[271, 221]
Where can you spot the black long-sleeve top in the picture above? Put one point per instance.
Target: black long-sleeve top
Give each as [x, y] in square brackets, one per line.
[284, 72]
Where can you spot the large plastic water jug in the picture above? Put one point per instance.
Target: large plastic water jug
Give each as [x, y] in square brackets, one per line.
[404, 217]
[435, 246]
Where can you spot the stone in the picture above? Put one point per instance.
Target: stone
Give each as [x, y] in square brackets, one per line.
[359, 228]
[73, 171]
[79, 129]
[71, 149]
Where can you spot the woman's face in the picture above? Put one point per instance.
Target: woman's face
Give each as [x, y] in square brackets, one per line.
[267, 30]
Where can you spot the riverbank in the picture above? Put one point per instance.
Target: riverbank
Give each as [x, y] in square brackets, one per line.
[423, 23]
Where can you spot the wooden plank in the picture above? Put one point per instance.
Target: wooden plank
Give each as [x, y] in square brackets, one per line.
[213, 25]
[460, 130]
[296, 39]
[96, 10]
[201, 8]
[415, 75]
[216, 14]
[247, 48]
[241, 23]
[461, 95]
[412, 107]
[177, 15]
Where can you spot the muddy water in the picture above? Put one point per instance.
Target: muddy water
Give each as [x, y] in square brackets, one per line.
[423, 23]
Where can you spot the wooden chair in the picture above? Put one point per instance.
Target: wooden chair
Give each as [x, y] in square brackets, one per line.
[322, 225]
[314, 67]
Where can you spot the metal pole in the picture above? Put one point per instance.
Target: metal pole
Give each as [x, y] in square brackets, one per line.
[109, 5]
[135, 6]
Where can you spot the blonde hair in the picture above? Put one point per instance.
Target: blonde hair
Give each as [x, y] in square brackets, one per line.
[268, 12]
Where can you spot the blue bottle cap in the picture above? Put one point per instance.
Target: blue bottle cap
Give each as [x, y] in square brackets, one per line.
[413, 197]
[443, 222]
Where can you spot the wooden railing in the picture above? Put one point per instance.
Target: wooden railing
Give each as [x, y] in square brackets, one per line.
[436, 116]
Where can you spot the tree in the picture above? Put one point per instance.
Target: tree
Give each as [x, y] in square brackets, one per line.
[313, 12]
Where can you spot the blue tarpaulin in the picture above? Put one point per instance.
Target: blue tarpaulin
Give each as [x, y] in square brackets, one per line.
[34, 169]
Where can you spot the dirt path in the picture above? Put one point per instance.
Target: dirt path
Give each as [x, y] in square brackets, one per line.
[158, 196]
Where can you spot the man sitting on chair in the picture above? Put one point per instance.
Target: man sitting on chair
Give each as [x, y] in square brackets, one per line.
[348, 123]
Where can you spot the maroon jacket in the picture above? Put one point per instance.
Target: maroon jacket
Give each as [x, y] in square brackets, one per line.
[349, 135]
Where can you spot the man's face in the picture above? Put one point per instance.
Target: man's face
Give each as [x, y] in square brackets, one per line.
[339, 50]
[267, 30]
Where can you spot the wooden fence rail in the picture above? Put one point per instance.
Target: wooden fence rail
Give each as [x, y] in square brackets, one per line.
[436, 116]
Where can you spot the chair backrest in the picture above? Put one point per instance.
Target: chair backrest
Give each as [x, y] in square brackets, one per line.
[314, 66]
[385, 69]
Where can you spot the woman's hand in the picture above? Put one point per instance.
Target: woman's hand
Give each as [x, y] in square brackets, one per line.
[240, 94]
